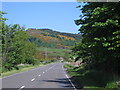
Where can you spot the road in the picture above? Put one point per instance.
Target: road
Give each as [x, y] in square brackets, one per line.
[49, 76]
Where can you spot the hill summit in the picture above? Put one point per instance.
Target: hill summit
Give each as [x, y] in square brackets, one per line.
[52, 39]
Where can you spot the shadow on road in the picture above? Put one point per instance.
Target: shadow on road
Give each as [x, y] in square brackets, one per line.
[62, 82]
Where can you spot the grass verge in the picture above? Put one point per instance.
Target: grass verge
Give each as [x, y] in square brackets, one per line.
[21, 69]
[93, 79]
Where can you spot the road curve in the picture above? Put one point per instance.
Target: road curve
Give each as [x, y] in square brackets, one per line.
[49, 76]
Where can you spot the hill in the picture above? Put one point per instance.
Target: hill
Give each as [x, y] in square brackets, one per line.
[52, 39]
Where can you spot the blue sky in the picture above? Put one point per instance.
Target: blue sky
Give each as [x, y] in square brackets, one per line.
[58, 16]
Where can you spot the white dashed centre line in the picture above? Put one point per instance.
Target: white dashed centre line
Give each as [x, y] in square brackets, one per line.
[21, 87]
[39, 75]
[33, 79]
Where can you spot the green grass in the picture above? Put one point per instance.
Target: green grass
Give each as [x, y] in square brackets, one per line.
[91, 78]
[54, 51]
[21, 69]
[0, 69]
[68, 66]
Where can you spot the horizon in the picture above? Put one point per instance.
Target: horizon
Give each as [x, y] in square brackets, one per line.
[52, 30]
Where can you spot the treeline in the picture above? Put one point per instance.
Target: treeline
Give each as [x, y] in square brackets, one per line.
[99, 47]
[16, 47]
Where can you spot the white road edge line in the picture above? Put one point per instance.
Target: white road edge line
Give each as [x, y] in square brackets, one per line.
[33, 79]
[70, 82]
[21, 87]
[69, 79]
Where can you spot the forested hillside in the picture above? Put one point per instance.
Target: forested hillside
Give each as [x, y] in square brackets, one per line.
[52, 39]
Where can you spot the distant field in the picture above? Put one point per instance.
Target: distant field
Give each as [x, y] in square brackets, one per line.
[53, 51]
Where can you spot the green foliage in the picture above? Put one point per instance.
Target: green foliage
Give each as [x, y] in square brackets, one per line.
[84, 78]
[68, 66]
[100, 29]
[16, 48]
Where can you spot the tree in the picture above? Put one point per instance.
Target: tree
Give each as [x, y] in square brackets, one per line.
[16, 47]
[101, 35]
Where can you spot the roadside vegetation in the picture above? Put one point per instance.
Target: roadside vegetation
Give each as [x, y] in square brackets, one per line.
[16, 47]
[100, 43]
[99, 48]
[22, 68]
[85, 78]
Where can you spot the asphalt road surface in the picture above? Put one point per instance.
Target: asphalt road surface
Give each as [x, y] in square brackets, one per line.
[49, 76]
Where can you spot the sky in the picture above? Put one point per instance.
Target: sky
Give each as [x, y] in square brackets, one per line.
[58, 16]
